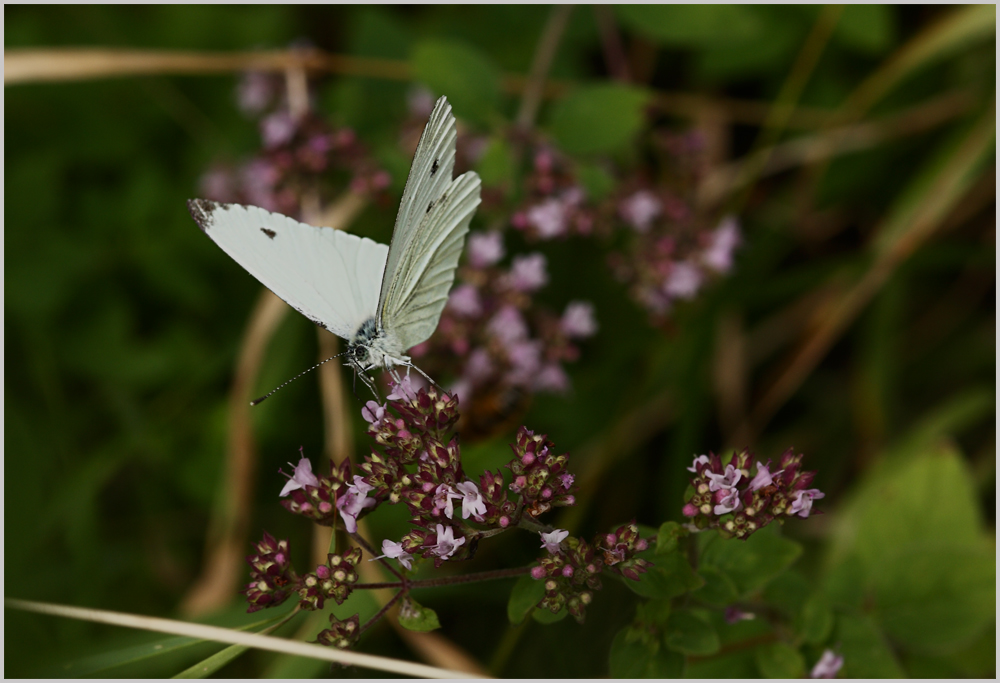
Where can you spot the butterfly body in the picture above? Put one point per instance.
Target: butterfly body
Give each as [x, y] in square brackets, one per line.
[382, 299]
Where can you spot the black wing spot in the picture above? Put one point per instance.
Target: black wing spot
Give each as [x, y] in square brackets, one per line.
[434, 167]
[269, 233]
[201, 211]
[429, 207]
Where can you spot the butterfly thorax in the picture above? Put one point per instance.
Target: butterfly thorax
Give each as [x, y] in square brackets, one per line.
[371, 347]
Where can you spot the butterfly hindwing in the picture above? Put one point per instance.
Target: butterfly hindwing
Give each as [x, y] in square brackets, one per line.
[427, 239]
[424, 274]
[330, 276]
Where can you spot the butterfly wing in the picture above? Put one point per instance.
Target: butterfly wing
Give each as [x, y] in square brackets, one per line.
[330, 276]
[427, 240]
[418, 290]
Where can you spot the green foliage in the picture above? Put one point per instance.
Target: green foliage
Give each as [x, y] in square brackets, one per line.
[527, 593]
[631, 657]
[470, 79]
[416, 617]
[753, 563]
[690, 634]
[123, 327]
[598, 119]
[780, 660]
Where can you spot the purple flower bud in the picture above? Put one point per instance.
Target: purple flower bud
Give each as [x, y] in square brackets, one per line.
[464, 300]
[684, 280]
[578, 320]
[485, 249]
[508, 325]
[828, 665]
[549, 218]
[718, 256]
[567, 571]
[640, 210]
[528, 273]
[537, 573]
[278, 129]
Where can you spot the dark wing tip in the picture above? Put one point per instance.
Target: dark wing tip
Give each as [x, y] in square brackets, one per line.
[201, 211]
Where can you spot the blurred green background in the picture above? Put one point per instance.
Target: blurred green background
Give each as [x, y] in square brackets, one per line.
[122, 322]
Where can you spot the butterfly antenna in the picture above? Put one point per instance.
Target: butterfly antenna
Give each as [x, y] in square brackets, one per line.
[260, 400]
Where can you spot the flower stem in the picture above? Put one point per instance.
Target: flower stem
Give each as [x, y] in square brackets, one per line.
[407, 584]
[381, 613]
[470, 578]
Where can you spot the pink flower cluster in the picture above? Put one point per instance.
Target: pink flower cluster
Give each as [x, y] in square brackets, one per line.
[671, 250]
[417, 462]
[299, 153]
[504, 345]
[573, 567]
[663, 265]
[273, 579]
[556, 204]
[727, 498]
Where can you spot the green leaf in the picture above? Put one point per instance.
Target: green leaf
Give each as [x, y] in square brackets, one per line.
[669, 577]
[598, 184]
[210, 665]
[738, 664]
[666, 537]
[102, 662]
[816, 620]
[597, 119]
[544, 616]
[751, 563]
[690, 634]
[415, 617]
[692, 25]
[869, 29]
[527, 593]
[631, 658]
[496, 166]
[719, 589]
[937, 597]
[926, 497]
[462, 73]
[845, 584]
[780, 660]
[788, 591]
[866, 652]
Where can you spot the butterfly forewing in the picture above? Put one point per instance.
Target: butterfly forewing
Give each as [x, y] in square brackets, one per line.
[418, 291]
[330, 276]
[429, 178]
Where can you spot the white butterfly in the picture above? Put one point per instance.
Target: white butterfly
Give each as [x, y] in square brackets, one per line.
[382, 300]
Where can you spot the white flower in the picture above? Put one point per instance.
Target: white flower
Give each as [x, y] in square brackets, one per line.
[446, 544]
[472, 500]
[395, 551]
[303, 477]
[552, 539]
[828, 665]
[728, 479]
[701, 459]
[353, 502]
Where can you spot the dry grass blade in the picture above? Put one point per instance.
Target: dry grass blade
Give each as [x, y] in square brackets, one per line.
[31, 65]
[226, 542]
[70, 64]
[962, 27]
[915, 218]
[224, 635]
[833, 143]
